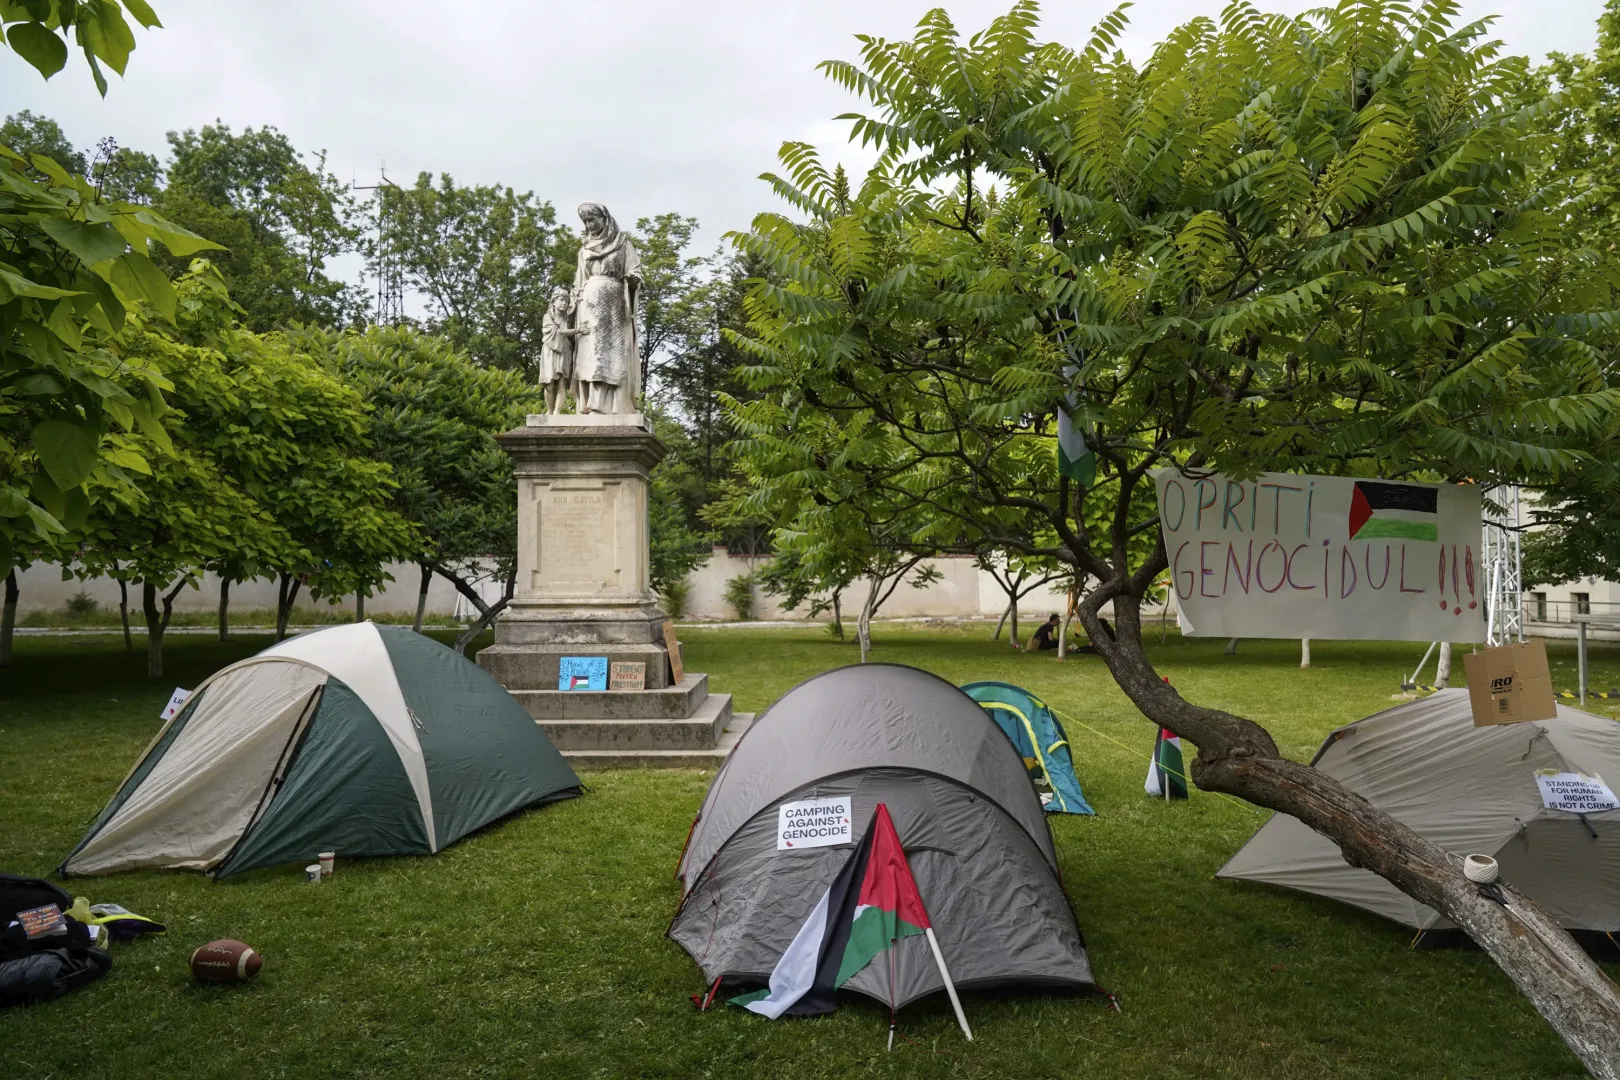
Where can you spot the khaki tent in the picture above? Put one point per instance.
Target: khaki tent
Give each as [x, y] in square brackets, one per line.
[363, 739]
[970, 821]
[1471, 790]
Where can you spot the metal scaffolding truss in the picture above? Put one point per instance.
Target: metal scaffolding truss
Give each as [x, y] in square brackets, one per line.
[1503, 566]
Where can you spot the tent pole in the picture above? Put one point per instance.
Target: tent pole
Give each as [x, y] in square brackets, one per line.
[950, 987]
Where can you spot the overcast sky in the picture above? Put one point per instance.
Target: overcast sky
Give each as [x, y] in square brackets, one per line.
[646, 105]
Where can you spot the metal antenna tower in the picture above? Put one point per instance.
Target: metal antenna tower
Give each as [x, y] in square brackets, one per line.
[387, 261]
[1503, 565]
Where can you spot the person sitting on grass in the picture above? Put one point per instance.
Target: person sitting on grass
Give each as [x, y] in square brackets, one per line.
[1046, 636]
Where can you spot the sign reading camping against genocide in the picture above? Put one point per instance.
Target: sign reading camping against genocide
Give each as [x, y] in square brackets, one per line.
[1290, 556]
[816, 823]
[1575, 792]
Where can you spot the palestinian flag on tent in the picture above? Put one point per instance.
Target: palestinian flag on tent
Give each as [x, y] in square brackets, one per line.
[1167, 775]
[1394, 512]
[871, 905]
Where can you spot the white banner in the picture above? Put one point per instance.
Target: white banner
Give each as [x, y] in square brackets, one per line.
[1575, 792]
[816, 823]
[1290, 556]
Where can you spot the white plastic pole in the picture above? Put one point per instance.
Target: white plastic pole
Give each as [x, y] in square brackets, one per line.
[950, 987]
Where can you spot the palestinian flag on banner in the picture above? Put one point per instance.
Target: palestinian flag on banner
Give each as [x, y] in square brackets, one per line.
[1076, 460]
[1167, 775]
[577, 681]
[871, 905]
[1394, 512]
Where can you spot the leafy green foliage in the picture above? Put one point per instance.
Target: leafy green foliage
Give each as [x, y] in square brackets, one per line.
[37, 31]
[487, 259]
[29, 133]
[272, 469]
[739, 594]
[80, 415]
[280, 219]
[678, 544]
[1314, 244]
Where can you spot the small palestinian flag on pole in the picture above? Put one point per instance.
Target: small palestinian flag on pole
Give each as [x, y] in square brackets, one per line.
[868, 908]
[1394, 512]
[1076, 460]
[1167, 775]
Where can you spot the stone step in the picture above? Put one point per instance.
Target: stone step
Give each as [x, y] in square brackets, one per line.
[534, 666]
[671, 702]
[698, 732]
[588, 760]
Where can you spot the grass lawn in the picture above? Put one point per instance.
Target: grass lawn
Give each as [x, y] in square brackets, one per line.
[536, 947]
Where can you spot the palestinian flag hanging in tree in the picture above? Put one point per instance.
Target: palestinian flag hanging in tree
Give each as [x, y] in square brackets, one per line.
[1076, 460]
[1167, 775]
[1394, 511]
[871, 905]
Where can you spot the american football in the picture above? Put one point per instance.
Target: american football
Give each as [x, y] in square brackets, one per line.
[225, 961]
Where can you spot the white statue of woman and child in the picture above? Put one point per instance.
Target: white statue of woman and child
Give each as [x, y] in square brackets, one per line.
[588, 334]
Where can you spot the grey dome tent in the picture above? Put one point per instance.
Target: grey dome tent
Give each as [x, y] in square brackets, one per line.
[363, 739]
[968, 818]
[1472, 790]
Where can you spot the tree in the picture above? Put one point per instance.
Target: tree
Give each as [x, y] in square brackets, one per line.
[435, 417]
[273, 470]
[679, 543]
[78, 417]
[29, 133]
[677, 294]
[1317, 244]
[487, 259]
[37, 31]
[281, 221]
[120, 173]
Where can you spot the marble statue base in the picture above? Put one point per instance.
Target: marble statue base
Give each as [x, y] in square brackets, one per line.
[583, 590]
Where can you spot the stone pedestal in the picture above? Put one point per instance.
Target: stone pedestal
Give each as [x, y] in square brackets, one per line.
[583, 590]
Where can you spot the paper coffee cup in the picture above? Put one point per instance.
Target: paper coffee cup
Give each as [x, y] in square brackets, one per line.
[327, 858]
[312, 873]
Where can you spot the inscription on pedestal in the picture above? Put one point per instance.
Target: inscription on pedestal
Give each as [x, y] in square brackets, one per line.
[578, 539]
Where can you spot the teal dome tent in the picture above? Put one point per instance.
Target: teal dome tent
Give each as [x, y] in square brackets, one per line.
[1040, 741]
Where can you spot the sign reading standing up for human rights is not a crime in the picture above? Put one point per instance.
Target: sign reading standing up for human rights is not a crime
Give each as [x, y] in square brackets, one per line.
[814, 823]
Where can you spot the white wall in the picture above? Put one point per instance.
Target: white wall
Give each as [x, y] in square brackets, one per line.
[963, 591]
[42, 588]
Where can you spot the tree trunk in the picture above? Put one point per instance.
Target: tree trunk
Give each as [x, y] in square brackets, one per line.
[286, 595]
[1231, 646]
[1001, 622]
[224, 609]
[1012, 623]
[1442, 669]
[359, 607]
[156, 623]
[486, 612]
[123, 609]
[422, 597]
[838, 613]
[1239, 757]
[1304, 652]
[863, 624]
[8, 617]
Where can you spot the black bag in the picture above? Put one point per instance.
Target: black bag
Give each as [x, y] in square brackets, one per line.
[21, 893]
[50, 974]
[47, 967]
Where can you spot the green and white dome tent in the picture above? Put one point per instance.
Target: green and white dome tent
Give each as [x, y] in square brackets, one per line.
[360, 739]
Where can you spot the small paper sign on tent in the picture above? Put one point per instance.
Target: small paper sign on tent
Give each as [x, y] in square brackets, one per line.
[1575, 792]
[812, 824]
[177, 701]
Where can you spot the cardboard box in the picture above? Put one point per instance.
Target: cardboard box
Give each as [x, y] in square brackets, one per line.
[1510, 684]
